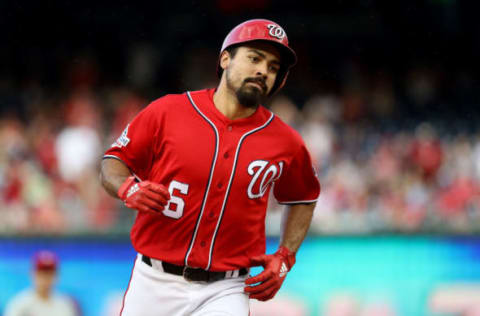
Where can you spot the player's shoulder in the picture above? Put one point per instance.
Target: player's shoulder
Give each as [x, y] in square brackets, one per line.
[164, 105]
[286, 131]
[178, 99]
[169, 99]
[22, 298]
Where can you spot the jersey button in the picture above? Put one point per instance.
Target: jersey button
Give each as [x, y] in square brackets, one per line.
[226, 155]
[203, 243]
[219, 185]
[229, 128]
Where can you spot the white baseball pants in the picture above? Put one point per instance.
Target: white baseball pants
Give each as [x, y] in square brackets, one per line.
[152, 292]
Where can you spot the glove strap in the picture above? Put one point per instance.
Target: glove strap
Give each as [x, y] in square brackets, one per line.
[288, 255]
[123, 190]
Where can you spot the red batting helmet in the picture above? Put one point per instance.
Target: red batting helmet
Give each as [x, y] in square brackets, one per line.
[45, 260]
[263, 30]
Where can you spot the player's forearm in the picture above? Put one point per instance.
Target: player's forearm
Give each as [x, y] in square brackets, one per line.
[296, 224]
[113, 173]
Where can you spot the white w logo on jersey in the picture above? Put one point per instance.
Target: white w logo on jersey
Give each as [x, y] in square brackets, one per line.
[271, 174]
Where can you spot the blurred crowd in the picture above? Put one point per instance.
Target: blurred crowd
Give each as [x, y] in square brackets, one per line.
[49, 165]
[378, 173]
[414, 180]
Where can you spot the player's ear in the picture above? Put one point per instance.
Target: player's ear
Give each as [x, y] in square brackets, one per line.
[225, 59]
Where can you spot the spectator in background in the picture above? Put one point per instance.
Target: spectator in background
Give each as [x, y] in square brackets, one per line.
[426, 152]
[320, 114]
[41, 300]
[78, 143]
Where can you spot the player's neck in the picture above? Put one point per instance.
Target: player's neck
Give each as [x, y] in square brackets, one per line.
[227, 103]
[43, 295]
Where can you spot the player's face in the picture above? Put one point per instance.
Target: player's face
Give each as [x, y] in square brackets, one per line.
[251, 73]
[44, 280]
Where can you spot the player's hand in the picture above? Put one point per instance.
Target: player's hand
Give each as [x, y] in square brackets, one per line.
[145, 196]
[270, 280]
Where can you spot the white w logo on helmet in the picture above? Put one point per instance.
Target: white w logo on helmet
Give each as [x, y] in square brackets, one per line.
[276, 31]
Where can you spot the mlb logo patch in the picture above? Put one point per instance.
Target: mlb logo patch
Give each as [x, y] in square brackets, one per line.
[123, 140]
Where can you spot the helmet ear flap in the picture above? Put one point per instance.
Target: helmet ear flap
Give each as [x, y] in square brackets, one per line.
[279, 81]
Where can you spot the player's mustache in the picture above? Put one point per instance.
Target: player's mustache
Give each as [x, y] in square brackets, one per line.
[258, 80]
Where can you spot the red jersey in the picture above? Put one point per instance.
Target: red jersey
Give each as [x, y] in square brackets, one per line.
[219, 173]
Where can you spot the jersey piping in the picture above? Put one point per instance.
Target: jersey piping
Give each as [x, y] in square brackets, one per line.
[298, 202]
[230, 183]
[212, 168]
[115, 157]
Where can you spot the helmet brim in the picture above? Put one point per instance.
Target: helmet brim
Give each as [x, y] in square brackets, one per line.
[288, 56]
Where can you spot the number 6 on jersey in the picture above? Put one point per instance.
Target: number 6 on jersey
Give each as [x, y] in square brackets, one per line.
[178, 201]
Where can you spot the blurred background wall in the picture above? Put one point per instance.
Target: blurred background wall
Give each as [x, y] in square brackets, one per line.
[385, 94]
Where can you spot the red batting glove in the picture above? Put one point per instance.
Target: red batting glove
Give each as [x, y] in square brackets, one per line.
[275, 270]
[145, 196]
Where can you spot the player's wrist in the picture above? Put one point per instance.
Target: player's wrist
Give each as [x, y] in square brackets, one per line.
[125, 187]
[287, 255]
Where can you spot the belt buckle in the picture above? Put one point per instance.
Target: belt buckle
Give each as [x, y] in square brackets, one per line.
[187, 273]
[195, 274]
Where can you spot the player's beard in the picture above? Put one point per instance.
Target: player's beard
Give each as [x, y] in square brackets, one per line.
[248, 95]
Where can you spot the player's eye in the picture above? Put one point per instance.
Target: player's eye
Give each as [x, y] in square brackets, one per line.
[254, 59]
[274, 69]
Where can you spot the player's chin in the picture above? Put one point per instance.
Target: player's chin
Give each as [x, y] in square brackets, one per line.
[257, 89]
[251, 96]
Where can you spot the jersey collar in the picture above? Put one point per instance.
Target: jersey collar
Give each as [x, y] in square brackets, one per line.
[259, 117]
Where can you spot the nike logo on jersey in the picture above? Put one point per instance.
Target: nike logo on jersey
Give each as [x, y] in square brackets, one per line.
[262, 177]
[283, 270]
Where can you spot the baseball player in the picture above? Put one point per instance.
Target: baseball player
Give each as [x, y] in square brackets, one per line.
[41, 300]
[198, 167]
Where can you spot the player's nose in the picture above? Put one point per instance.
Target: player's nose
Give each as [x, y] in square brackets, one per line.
[262, 70]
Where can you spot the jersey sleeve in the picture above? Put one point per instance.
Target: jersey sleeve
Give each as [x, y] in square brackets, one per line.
[135, 146]
[298, 183]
